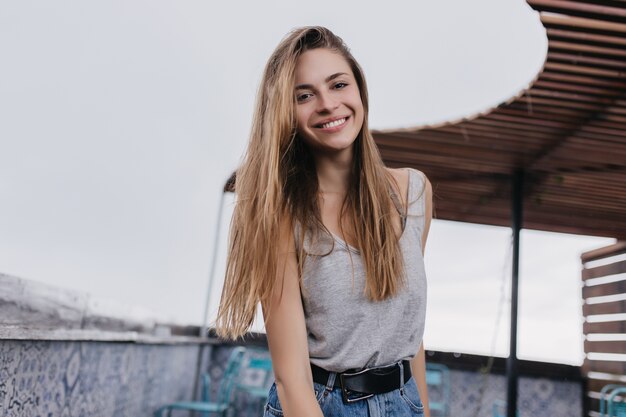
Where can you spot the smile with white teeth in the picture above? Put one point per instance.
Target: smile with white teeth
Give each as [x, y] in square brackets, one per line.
[334, 123]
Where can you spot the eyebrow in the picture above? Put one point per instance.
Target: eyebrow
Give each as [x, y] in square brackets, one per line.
[329, 78]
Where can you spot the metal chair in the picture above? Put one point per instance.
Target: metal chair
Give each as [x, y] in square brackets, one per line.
[610, 403]
[258, 363]
[222, 403]
[438, 377]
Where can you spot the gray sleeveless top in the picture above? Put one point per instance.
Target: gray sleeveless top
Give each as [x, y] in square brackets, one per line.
[345, 329]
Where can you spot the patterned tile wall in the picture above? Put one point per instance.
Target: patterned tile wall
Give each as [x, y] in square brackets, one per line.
[538, 397]
[92, 379]
[100, 379]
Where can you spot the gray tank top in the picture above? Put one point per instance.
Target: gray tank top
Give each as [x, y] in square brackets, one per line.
[345, 329]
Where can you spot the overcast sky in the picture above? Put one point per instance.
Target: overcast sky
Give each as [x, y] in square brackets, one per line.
[120, 121]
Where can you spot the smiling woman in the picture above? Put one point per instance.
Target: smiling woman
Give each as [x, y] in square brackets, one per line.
[329, 111]
[329, 241]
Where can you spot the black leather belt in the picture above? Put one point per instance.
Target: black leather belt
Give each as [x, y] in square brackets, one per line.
[368, 381]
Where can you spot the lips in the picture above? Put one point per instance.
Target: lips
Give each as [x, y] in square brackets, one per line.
[331, 123]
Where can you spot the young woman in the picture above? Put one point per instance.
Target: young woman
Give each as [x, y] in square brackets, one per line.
[329, 241]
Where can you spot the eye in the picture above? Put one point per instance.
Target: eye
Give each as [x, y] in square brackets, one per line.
[340, 85]
[303, 97]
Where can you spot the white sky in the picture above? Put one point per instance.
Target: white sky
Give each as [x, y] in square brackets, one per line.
[120, 121]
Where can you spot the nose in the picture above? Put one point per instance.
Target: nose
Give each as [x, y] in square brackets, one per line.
[326, 102]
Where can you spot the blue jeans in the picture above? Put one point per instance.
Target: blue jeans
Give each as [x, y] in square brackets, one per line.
[402, 402]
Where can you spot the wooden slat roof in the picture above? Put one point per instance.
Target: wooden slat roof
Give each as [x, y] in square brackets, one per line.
[567, 131]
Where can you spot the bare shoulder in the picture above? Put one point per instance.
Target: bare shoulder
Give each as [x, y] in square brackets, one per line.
[401, 177]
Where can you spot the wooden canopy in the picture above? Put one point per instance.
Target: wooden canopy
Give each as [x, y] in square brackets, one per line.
[567, 133]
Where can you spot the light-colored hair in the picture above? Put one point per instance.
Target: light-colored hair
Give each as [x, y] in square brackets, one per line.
[278, 181]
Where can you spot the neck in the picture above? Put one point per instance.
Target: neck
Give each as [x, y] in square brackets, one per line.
[333, 172]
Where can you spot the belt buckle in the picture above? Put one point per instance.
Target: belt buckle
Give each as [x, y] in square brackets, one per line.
[344, 392]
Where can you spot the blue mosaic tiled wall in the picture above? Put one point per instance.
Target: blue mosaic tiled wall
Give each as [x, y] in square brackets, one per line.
[102, 379]
[92, 379]
[537, 397]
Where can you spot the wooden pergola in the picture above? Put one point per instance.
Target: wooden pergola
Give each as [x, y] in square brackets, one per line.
[567, 132]
[552, 158]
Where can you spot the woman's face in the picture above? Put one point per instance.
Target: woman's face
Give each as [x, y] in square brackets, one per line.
[329, 110]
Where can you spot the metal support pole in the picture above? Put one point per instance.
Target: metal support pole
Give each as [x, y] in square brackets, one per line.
[229, 186]
[511, 363]
[204, 329]
[203, 332]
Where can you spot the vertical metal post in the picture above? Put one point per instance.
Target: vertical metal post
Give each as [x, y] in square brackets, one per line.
[516, 220]
[204, 329]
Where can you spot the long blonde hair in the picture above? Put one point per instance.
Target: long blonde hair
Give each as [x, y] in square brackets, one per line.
[278, 180]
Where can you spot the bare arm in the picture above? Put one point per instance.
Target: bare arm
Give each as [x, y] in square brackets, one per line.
[428, 195]
[418, 364]
[287, 337]
[418, 368]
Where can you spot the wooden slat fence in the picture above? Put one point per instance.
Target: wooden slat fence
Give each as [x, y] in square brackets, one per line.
[604, 313]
